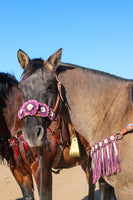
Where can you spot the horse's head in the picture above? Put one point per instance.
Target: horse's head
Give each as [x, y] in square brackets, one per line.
[39, 93]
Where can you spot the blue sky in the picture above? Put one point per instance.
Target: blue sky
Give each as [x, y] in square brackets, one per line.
[93, 33]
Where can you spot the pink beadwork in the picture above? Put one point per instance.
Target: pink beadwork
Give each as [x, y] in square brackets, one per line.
[105, 158]
[34, 108]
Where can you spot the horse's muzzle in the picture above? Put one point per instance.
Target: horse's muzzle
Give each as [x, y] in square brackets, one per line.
[36, 138]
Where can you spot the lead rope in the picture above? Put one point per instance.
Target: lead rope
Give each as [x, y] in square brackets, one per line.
[41, 173]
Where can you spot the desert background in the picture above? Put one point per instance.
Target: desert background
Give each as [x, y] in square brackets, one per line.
[70, 184]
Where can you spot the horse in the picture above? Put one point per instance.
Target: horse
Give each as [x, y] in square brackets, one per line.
[8, 84]
[96, 103]
[23, 160]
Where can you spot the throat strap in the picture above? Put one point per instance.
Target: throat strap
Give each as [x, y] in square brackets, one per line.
[59, 84]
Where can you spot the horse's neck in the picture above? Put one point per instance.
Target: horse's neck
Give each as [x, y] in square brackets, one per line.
[4, 132]
[100, 104]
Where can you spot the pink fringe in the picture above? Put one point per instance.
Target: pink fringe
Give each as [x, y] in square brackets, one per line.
[95, 167]
[105, 158]
[104, 161]
[99, 164]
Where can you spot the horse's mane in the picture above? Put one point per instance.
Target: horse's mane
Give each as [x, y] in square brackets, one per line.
[37, 63]
[67, 66]
[6, 83]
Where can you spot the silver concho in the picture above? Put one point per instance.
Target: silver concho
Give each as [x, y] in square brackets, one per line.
[112, 137]
[43, 109]
[106, 141]
[100, 144]
[51, 113]
[29, 106]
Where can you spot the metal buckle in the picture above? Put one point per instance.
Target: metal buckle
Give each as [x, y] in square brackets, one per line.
[119, 138]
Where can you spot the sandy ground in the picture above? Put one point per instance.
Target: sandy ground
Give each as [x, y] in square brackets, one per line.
[70, 184]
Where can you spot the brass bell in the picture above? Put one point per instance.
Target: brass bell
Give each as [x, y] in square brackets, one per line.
[74, 149]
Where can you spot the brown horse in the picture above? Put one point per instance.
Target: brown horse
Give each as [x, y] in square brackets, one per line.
[25, 161]
[8, 84]
[96, 103]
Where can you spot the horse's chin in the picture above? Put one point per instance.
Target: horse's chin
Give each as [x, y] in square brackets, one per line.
[36, 146]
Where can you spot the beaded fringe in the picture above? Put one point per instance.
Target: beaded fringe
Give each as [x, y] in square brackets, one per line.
[105, 158]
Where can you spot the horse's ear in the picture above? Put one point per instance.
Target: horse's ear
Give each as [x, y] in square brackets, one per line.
[23, 58]
[54, 60]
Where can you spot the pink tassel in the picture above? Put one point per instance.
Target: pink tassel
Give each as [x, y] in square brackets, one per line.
[108, 161]
[116, 156]
[113, 166]
[105, 158]
[96, 163]
[92, 162]
[99, 165]
[93, 167]
[104, 161]
[111, 159]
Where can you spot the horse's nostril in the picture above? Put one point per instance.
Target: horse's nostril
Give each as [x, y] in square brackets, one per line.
[39, 132]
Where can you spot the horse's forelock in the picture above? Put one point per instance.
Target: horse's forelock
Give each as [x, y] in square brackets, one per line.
[32, 67]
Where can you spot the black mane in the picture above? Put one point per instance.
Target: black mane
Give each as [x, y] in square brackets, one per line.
[66, 66]
[36, 64]
[6, 83]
